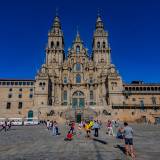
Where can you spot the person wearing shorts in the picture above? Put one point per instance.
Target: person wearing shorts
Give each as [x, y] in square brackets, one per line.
[128, 137]
[88, 131]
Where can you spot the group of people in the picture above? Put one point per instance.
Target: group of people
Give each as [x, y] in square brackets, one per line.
[114, 128]
[53, 126]
[124, 133]
[6, 126]
[86, 126]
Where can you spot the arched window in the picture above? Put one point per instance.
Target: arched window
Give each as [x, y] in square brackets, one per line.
[78, 67]
[57, 43]
[65, 80]
[91, 80]
[65, 98]
[78, 78]
[52, 44]
[98, 44]
[77, 49]
[91, 95]
[78, 93]
[104, 45]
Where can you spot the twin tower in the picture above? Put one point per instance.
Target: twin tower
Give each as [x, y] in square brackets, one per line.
[55, 48]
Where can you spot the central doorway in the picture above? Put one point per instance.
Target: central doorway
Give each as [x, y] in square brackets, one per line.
[78, 104]
[78, 118]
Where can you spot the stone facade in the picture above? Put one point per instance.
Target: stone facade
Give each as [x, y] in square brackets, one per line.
[79, 86]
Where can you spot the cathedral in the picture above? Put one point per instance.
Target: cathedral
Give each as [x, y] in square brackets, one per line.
[79, 85]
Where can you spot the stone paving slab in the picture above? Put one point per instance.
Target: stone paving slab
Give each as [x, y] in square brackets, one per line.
[37, 143]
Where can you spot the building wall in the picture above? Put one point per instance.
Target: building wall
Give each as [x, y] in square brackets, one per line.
[16, 88]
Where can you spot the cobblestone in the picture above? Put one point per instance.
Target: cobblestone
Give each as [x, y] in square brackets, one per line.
[37, 143]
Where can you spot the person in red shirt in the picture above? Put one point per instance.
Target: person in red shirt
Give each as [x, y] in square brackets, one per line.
[69, 136]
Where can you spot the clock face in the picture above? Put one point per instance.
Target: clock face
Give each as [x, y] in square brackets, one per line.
[112, 70]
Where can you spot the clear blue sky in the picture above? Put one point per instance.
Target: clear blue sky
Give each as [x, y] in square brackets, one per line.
[133, 25]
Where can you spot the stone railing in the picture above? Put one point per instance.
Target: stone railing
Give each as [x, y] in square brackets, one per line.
[136, 106]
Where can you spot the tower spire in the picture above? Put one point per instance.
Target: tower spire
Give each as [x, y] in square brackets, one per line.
[78, 38]
[56, 26]
[99, 22]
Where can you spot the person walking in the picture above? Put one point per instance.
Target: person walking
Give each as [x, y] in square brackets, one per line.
[128, 135]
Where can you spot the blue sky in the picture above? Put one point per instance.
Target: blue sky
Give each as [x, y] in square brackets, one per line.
[133, 26]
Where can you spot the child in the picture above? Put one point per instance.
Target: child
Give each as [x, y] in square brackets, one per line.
[79, 130]
[120, 133]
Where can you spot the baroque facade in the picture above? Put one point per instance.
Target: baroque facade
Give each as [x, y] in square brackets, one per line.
[78, 86]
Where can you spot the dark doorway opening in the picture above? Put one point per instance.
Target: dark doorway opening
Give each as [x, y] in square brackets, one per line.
[78, 118]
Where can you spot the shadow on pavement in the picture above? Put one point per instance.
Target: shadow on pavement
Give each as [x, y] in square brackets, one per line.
[101, 141]
[121, 148]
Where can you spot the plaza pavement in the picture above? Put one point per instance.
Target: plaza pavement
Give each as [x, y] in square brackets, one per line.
[37, 143]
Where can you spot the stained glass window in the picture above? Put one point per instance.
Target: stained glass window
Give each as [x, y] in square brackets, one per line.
[78, 67]
[65, 80]
[78, 78]
[65, 96]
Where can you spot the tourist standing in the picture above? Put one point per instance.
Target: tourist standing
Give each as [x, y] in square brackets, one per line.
[96, 128]
[54, 129]
[48, 124]
[72, 127]
[4, 126]
[9, 124]
[88, 129]
[109, 128]
[114, 128]
[128, 135]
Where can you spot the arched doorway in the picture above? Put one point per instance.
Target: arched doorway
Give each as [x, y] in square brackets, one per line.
[78, 100]
[30, 115]
[78, 103]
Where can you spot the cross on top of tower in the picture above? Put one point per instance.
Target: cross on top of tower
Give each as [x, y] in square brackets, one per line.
[57, 11]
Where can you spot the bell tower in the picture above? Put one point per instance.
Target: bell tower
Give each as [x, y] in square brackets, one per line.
[55, 46]
[100, 45]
